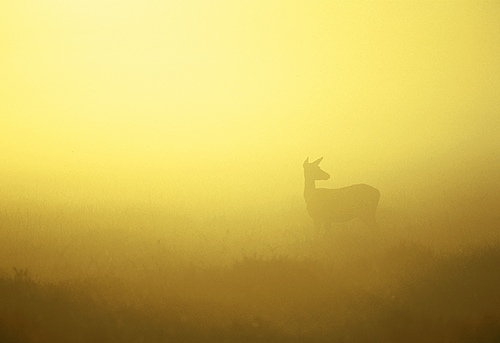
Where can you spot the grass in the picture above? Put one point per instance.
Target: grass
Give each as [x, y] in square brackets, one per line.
[406, 293]
[430, 274]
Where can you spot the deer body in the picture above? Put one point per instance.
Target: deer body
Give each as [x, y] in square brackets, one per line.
[327, 206]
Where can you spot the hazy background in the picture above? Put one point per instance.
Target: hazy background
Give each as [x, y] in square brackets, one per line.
[151, 170]
[208, 108]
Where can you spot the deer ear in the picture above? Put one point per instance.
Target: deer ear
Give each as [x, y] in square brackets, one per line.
[318, 161]
[306, 162]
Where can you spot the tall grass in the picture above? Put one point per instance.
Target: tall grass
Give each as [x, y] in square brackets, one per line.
[404, 294]
[430, 274]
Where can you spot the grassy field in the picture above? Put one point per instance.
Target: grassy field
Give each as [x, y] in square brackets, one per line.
[406, 294]
[139, 275]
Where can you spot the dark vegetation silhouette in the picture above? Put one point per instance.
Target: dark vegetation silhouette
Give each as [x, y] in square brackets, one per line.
[328, 206]
[148, 275]
[406, 294]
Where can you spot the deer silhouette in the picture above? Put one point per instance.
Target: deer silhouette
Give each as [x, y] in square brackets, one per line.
[327, 206]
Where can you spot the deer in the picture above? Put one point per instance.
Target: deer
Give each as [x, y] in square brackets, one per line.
[327, 206]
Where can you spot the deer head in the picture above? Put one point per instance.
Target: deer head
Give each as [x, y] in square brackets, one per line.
[312, 171]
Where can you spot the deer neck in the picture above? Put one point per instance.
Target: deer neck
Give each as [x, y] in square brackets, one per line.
[309, 188]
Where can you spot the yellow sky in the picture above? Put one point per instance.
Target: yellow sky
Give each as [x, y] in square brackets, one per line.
[118, 99]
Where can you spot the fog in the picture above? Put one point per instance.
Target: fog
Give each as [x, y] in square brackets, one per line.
[146, 141]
